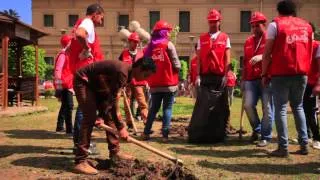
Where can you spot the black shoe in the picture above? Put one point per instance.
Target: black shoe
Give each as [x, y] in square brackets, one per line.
[60, 130]
[303, 150]
[254, 137]
[280, 152]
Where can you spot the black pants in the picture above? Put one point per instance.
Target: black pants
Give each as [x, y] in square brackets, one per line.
[310, 109]
[65, 113]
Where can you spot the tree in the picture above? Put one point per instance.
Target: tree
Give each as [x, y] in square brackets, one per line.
[183, 73]
[12, 12]
[27, 62]
[174, 34]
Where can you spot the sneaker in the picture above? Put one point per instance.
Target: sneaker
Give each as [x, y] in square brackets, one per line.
[121, 156]
[139, 118]
[254, 137]
[303, 150]
[145, 137]
[93, 149]
[280, 152]
[263, 143]
[60, 131]
[85, 168]
[164, 139]
[316, 145]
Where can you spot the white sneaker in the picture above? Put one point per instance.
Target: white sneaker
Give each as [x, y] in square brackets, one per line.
[316, 145]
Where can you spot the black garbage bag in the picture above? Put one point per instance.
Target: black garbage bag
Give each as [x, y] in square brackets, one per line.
[209, 117]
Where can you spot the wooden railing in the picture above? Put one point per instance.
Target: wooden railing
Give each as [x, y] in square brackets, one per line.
[24, 89]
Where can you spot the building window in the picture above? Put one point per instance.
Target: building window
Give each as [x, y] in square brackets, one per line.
[49, 60]
[73, 18]
[48, 20]
[184, 21]
[245, 18]
[154, 17]
[123, 20]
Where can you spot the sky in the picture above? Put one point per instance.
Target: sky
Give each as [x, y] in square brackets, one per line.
[23, 7]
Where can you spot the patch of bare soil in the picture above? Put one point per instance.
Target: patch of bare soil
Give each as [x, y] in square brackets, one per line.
[176, 119]
[181, 130]
[143, 170]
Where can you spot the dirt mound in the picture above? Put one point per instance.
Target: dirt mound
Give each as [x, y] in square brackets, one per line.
[144, 170]
[181, 130]
[175, 119]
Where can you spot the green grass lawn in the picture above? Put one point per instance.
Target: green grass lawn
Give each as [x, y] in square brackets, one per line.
[29, 149]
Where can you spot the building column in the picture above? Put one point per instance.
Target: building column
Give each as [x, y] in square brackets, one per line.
[5, 44]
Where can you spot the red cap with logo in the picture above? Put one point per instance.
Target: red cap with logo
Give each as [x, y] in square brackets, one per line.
[214, 15]
[162, 25]
[65, 40]
[134, 37]
[258, 17]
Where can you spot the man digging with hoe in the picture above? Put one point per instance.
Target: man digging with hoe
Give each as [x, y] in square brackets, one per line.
[96, 87]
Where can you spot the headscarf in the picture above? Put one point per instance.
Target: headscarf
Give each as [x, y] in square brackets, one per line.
[156, 38]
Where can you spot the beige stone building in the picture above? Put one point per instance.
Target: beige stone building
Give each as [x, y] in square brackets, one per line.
[190, 15]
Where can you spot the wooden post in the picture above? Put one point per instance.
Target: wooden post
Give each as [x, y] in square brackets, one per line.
[5, 44]
[36, 90]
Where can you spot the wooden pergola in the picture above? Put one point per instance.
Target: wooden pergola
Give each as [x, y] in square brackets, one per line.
[16, 34]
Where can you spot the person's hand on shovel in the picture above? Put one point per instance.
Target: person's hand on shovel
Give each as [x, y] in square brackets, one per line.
[123, 133]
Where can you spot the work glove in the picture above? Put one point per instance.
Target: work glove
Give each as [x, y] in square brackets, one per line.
[198, 81]
[85, 54]
[255, 59]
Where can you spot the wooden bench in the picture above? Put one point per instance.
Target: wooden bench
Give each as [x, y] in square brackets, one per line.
[24, 89]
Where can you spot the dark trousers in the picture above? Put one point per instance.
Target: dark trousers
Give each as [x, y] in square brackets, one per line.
[310, 109]
[87, 103]
[76, 128]
[65, 113]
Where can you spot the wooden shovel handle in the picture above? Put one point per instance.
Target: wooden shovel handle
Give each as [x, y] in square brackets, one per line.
[135, 130]
[143, 145]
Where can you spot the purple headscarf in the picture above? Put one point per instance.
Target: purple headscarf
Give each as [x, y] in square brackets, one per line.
[156, 38]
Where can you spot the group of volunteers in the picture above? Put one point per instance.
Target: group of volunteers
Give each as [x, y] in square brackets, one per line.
[281, 64]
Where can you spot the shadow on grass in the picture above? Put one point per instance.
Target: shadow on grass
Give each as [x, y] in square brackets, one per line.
[6, 150]
[280, 169]
[35, 134]
[47, 162]
[248, 153]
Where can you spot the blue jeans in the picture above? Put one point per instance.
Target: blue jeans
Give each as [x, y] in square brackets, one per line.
[76, 128]
[289, 89]
[156, 100]
[253, 92]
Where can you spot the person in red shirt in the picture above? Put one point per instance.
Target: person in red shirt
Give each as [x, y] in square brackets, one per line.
[231, 83]
[193, 74]
[211, 110]
[63, 86]
[310, 104]
[251, 83]
[164, 83]
[136, 88]
[84, 50]
[287, 59]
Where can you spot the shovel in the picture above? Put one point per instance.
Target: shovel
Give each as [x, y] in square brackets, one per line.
[143, 145]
